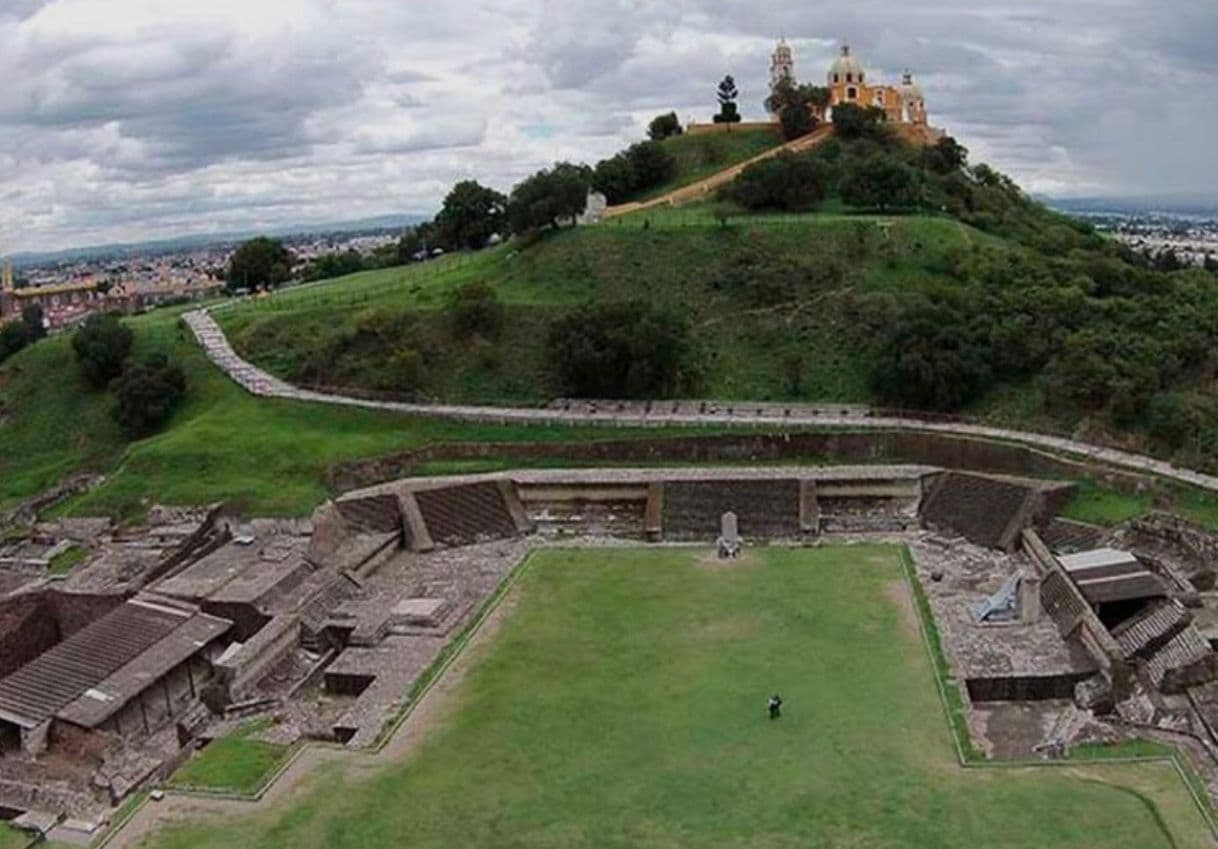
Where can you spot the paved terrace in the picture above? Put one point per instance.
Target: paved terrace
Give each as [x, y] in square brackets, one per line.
[676, 413]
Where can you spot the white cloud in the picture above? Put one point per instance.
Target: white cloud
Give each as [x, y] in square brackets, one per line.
[132, 119]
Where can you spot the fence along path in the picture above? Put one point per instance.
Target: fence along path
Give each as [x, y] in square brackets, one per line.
[674, 413]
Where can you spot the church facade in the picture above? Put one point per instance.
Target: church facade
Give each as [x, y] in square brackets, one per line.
[849, 82]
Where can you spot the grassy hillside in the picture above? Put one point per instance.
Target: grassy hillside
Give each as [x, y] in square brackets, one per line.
[699, 156]
[778, 309]
[971, 298]
[264, 455]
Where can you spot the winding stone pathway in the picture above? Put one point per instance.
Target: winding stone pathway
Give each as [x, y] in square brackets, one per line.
[677, 413]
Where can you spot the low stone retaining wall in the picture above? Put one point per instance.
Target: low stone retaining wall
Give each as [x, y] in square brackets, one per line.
[934, 449]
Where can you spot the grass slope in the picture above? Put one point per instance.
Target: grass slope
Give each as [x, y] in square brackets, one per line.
[268, 456]
[704, 154]
[623, 705]
[796, 330]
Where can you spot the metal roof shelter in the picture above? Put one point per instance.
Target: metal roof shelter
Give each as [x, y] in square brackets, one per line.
[90, 676]
[1107, 574]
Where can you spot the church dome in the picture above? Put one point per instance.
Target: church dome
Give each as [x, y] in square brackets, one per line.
[845, 68]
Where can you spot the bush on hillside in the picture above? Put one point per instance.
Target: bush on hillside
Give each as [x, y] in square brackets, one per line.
[625, 350]
[640, 167]
[788, 182]
[614, 178]
[34, 321]
[146, 393]
[882, 182]
[932, 361]
[796, 123]
[476, 311]
[852, 121]
[664, 126]
[14, 335]
[651, 163]
[102, 344]
[328, 266]
[549, 197]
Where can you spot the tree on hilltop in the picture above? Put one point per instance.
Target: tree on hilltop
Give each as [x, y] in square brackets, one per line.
[549, 197]
[614, 178]
[663, 126]
[728, 94]
[470, 215]
[259, 262]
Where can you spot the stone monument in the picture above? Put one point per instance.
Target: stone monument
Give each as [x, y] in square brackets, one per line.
[729, 537]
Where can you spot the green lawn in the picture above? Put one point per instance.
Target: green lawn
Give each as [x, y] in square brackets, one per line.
[12, 838]
[234, 763]
[622, 704]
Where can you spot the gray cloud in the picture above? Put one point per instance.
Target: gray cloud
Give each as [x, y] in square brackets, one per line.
[124, 119]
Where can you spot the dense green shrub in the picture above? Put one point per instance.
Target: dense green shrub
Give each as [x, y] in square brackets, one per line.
[102, 344]
[788, 182]
[625, 350]
[882, 182]
[146, 393]
[476, 311]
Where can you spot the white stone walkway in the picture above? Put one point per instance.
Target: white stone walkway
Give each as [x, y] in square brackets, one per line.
[678, 413]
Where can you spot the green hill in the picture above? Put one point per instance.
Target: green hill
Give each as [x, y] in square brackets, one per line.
[974, 300]
[268, 456]
[971, 298]
[700, 155]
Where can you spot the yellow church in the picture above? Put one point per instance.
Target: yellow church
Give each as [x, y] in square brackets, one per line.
[848, 82]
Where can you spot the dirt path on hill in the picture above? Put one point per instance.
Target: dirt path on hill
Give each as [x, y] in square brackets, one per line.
[305, 771]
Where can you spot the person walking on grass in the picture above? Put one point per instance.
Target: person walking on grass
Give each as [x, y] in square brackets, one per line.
[775, 706]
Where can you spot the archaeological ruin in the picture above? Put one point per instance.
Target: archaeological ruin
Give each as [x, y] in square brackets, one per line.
[111, 676]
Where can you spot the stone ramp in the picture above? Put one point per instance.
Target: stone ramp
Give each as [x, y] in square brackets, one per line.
[467, 513]
[1066, 536]
[373, 514]
[1146, 633]
[988, 511]
[763, 508]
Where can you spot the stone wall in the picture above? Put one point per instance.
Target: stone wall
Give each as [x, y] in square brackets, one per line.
[27, 629]
[935, 449]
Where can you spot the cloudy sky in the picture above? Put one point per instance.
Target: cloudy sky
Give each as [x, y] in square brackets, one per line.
[142, 119]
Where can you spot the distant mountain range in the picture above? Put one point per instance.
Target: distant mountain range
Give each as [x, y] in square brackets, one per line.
[1192, 207]
[184, 243]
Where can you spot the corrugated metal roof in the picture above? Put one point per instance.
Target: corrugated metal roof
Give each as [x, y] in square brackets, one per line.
[47, 684]
[1097, 559]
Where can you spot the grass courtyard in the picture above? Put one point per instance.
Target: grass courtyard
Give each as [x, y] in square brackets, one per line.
[621, 703]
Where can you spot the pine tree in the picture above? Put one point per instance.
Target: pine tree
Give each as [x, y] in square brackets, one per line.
[728, 94]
